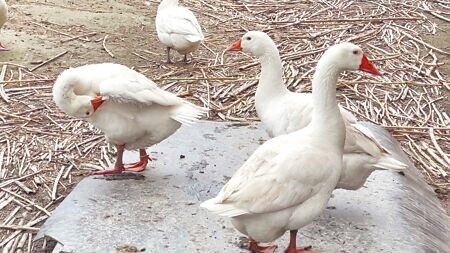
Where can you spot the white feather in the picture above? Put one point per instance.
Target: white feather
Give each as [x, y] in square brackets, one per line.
[136, 112]
[177, 27]
[222, 209]
[282, 111]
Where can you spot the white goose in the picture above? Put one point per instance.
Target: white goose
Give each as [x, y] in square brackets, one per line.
[3, 18]
[283, 111]
[177, 28]
[287, 181]
[130, 109]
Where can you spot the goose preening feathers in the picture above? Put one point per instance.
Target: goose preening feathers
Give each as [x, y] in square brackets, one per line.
[127, 107]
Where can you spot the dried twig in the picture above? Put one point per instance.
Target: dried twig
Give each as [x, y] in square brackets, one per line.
[55, 184]
[85, 35]
[48, 61]
[13, 227]
[105, 48]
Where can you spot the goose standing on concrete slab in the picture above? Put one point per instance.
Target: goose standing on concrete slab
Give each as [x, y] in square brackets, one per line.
[3, 18]
[130, 109]
[283, 111]
[287, 182]
[177, 28]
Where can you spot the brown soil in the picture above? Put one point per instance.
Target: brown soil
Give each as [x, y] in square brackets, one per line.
[442, 40]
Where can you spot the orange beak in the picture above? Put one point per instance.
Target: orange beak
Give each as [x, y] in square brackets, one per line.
[368, 66]
[96, 102]
[236, 46]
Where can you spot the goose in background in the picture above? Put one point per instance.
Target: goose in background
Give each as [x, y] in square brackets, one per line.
[177, 28]
[3, 18]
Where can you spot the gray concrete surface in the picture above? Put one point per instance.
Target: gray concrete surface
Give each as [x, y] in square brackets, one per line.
[158, 210]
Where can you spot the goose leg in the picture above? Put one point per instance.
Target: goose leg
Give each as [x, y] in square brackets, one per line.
[168, 55]
[3, 48]
[142, 164]
[185, 58]
[292, 248]
[255, 248]
[118, 166]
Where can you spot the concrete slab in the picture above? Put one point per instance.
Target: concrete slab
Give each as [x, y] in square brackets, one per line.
[158, 210]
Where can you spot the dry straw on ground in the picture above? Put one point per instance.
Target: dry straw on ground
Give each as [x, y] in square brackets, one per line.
[43, 152]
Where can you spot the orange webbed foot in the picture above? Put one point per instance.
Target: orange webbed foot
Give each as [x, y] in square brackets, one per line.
[110, 171]
[139, 166]
[3, 48]
[254, 247]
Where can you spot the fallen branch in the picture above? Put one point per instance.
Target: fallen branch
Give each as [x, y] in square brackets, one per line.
[48, 61]
[17, 227]
[105, 48]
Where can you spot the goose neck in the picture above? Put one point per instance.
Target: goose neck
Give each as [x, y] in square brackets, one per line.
[271, 78]
[64, 92]
[326, 116]
[70, 99]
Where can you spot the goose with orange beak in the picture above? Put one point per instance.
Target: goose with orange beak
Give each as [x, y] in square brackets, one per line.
[282, 111]
[127, 107]
[286, 183]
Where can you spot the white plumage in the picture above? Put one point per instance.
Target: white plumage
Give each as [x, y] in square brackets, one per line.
[3, 18]
[287, 182]
[283, 111]
[177, 28]
[134, 112]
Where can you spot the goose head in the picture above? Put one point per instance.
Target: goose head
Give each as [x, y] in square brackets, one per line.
[82, 106]
[79, 106]
[255, 43]
[348, 56]
[73, 95]
[166, 3]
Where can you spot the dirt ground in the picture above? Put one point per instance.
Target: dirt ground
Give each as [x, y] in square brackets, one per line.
[36, 29]
[442, 40]
[40, 30]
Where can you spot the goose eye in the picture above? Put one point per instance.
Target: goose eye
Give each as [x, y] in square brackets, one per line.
[87, 113]
[355, 52]
[248, 38]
